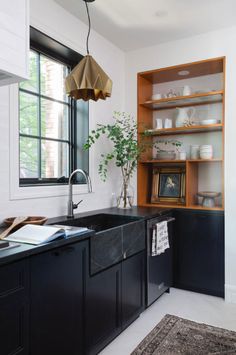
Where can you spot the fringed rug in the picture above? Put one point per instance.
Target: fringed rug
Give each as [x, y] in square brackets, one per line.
[174, 335]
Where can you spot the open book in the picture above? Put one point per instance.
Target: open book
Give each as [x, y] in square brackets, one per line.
[34, 234]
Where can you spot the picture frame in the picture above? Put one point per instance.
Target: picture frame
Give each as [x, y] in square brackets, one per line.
[168, 185]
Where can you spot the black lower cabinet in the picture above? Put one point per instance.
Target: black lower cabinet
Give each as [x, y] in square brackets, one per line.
[14, 309]
[57, 301]
[133, 288]
[114, 298]
[103, 302]
[199, 251]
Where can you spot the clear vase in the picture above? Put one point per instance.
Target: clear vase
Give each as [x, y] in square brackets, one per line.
[125, 199]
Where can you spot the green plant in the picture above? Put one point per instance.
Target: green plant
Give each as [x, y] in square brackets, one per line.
[125, 151]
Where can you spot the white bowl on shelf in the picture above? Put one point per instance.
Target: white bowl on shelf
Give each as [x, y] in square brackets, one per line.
[208, 122]
[206, 156]
[206, 151]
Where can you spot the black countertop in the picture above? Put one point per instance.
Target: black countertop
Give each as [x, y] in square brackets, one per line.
[142, 212]
[25, 250]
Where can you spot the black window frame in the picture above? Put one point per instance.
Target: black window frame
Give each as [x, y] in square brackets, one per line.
[45, 45]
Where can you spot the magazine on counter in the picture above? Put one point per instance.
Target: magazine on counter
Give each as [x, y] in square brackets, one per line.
[34, 234]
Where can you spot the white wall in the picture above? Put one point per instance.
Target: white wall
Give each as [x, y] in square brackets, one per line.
[50, 18]
[209, 45]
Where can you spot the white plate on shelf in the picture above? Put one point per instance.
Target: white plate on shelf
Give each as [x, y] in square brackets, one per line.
[208, 121]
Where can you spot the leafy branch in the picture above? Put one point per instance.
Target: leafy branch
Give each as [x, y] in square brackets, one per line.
[125, 151]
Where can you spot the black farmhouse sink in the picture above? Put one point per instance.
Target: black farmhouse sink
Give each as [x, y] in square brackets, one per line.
[116, 238]
[100, 222]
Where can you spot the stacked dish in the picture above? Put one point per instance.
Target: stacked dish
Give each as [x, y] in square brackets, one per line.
[206, 152]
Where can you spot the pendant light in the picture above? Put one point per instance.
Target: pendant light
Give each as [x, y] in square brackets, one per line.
[88, 81]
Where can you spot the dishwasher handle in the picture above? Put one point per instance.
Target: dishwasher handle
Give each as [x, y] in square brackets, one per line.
[168, 220]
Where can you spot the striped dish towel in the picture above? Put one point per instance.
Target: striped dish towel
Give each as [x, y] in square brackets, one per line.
[160, 239]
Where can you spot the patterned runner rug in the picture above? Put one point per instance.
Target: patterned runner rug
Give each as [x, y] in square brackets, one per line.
[174, 335]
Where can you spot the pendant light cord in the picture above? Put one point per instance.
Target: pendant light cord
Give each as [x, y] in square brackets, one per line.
[89, 23]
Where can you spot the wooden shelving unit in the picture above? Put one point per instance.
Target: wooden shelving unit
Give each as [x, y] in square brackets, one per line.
[184, 130]
[192, 207]
[193, 168]
[174, 161]
[185, 101]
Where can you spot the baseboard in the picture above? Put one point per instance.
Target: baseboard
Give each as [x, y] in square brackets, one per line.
[230, 293]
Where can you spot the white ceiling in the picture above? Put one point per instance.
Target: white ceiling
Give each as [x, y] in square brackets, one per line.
[133, 24]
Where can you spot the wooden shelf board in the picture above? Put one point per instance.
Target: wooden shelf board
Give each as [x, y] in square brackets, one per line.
[148, 161]
[214, 160]
[192, 207]
[184, 101]
[153, 161]
[196, 69]
[198, 207]
[184, 130]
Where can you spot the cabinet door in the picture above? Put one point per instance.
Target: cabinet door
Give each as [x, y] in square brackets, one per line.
[14, 41]
[14, 309]
[199, 252]
[57, 309]
[103, 321]
[133, 288]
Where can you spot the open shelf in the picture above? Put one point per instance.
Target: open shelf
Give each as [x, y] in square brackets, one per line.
[184, 101]
[193, 207]
[199, 174]
[184, 130]
[173, 161]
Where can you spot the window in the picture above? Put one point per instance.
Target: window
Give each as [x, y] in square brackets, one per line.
[52, 127]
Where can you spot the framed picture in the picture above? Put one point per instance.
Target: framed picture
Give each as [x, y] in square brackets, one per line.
[168, 185]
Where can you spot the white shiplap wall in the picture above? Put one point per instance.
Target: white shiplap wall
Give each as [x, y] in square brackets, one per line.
[50, 18]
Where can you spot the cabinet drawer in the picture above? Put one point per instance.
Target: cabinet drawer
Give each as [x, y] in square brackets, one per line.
[14, 279]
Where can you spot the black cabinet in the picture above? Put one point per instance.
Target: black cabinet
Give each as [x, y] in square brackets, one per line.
[199, 251]
[114, 298]
[14, 308]
[103, 302]
[133, 288]
[57, 300]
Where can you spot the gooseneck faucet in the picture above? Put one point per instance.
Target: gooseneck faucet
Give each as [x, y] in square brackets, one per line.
[71, 205]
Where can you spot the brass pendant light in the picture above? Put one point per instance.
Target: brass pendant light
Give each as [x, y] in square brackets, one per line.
[88, 81]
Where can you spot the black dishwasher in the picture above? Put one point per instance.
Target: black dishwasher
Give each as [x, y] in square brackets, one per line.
[159, 267]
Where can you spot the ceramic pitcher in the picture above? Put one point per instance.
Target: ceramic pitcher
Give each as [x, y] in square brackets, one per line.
[184, 116]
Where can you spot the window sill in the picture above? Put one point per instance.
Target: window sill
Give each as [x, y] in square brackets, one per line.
[42, 191]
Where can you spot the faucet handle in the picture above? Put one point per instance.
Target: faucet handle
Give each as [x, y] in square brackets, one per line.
[75, 205]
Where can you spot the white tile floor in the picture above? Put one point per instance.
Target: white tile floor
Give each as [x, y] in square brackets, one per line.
[194, 306]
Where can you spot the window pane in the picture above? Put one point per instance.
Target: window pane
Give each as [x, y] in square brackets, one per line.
[52, 78]
[29, 157]
[55, 159]
[33, 83]
[54, 120]
[28, 114]
[82, 132]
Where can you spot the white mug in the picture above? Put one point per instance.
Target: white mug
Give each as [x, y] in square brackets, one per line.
[182, 155]
[156, 96]
[168, 123]
[186, 90]
[159, 123]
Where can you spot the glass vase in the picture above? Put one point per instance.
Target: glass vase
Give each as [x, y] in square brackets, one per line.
[125, 200]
